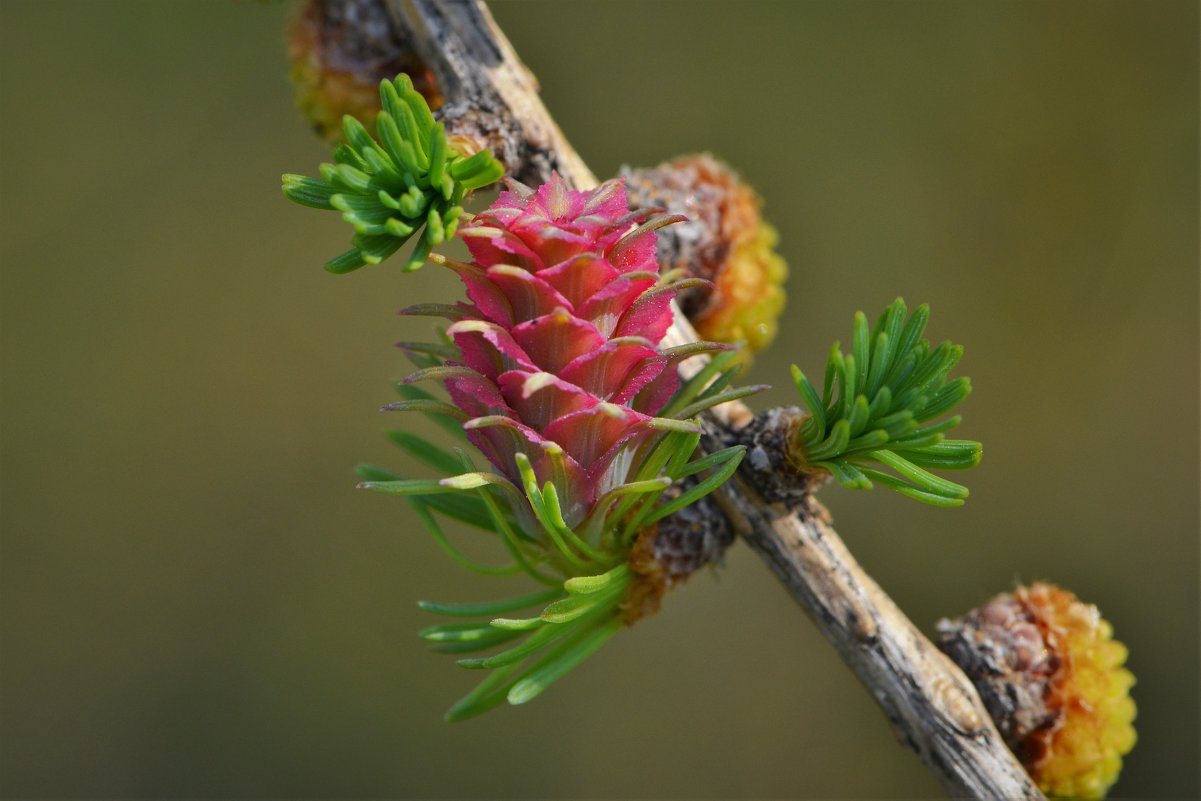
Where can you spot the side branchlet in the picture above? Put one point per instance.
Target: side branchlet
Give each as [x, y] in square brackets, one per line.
[876, 408]
[407, 180]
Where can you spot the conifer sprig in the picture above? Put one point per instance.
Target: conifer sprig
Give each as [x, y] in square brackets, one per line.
[556, 374]
[874, 403]
[408, 179]
[583, 569]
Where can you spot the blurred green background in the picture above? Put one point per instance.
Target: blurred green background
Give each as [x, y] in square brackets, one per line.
[197, 603]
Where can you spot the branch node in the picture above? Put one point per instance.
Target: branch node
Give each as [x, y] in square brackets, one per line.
[770, 464]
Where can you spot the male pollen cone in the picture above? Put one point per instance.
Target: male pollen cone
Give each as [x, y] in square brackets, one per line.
[1050, 673]
[725, 241]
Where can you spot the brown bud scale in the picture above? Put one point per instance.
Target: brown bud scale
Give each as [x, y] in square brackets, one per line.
[667, 553]
[771, 457]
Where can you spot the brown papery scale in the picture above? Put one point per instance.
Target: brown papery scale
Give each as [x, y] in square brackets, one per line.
[1003, 651]
[668, 552]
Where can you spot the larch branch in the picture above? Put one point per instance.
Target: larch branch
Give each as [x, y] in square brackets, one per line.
[932, 706]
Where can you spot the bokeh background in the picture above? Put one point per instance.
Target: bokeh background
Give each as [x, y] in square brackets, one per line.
[197, 603]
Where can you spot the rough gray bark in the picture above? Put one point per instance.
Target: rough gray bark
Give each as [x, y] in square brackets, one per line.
[933, 707]
[491, 96]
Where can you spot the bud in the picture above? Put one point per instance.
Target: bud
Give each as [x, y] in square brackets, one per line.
[1050, 674]
[725, 241]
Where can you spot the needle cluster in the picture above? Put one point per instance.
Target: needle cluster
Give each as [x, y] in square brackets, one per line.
[876, 408]
[408, 180]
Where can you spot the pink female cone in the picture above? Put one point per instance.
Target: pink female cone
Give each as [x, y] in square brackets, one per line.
[562, 337]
